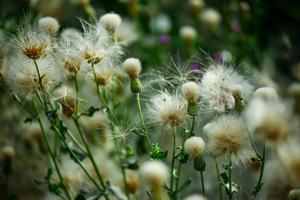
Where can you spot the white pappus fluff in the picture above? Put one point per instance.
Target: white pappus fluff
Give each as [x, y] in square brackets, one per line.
[194, 146]
[222, 88]
[154, 173]
[167, 109]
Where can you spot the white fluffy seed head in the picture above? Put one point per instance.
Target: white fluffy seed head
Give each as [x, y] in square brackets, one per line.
[132, 67]
[48, 25]
[154, 173]
[268, 120]
[191, 91]
[223, 88]
[211, 17]
[196, 4]
[66, 96]
[111, 21]
[188, 33]
[8, 152]
[266, 93]
[21, 75]
[194, 146]
[169, 110]
[195, 197]
[294, 90]
[227, 136]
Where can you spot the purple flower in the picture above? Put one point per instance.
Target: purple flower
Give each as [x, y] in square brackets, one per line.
[165, 39]
[218, 57]
[235, 26]
[195, 68]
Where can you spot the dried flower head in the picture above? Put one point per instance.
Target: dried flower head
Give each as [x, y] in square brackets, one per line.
[266, 93]
[194, 146]
[222, 88]
[48, 25]
[268, 119]
[132, 67]
[104, 73]
[32, 43]
[191, 91]
[66, 96]
[167, 109]
[196, 5]
[294, 90]
[22, 77]
[111, 21]
[154, 173]
[227, 136]
[98, 45]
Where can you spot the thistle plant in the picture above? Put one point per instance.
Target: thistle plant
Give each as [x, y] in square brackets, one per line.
[77, 88]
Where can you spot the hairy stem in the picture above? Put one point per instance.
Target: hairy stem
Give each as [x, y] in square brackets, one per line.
[202, 183]
[90, 155]
[138, 101]
[259, 182]
[173, 164]
[52, 156]
[230, 194]
[125, 183]
[219, 179]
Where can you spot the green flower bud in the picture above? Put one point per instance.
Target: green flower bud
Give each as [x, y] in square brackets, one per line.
[136, 86]
[199, 163]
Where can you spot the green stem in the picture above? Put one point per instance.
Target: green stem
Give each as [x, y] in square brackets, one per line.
[39, 74]
[230, 194]
[219, 179]
[193, 125]
[125, 183]
[138, 101]
[90, 155]
[52, 156]
[259, 182]
[202, 183]
[173, 163]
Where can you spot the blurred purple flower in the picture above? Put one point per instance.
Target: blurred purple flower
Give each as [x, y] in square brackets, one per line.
[195, 68]
[87, 134]
[164, 39]
[235, 26]
[218, 57]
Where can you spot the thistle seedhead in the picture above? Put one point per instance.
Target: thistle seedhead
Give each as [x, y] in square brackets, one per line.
[48, 25]
[227, 136]
[32, 43]
[132, 67]
[66, 96]
[154, 173]
[110, 21]
[194, 146]
[169, 110]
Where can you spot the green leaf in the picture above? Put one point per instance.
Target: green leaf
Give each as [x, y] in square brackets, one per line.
[90, 111]
[157, 152]
[81, 156]
[137, 131]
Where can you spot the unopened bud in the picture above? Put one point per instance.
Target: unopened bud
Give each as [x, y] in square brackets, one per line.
[199, 163]
[135, 85]
[193, 109]
[294, 194]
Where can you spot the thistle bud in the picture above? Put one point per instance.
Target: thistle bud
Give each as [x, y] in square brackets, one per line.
[199, 163]
[135, 85]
